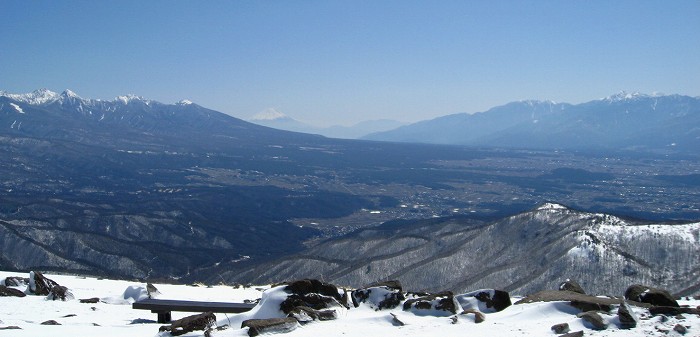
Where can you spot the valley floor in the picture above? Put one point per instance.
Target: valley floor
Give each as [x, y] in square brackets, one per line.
[113, 316]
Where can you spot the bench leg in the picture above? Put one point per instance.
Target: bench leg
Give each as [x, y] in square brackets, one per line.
[164, 317]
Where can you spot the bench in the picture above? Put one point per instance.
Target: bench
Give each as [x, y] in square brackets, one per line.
[164, 307]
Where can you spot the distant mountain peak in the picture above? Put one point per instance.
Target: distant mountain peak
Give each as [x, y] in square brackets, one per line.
[184, 102]
[36, 97]
[627, 96]
[551, 206]
[126, 99]
[69, 94]
[269, 114]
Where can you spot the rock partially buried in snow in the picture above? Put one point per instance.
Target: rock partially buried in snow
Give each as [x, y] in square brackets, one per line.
[306, 314]
[653, 296]
[378, 296]
[594, 319]
[11, 292]
[313, 294]
[628, 319]
[478, 315]
[204, 321]
[59, 293]
[573, 334]
[16, 281]
[485, 300]
[40, 285]
[441, 304]
[560, 328]
[269, 325]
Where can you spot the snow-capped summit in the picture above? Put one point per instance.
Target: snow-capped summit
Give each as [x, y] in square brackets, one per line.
[36, 97]
[551, 206]
[69, 94]
[126, 99]
[184, 102]
[625, 96]
[269, 114]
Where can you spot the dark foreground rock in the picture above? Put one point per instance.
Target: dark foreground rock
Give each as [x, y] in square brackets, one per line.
[560, 328]
[596, 321]
[653, 296]
[573, 334]
[578, 300]
[50, 322]
[673, 311]
[313, 294]
[90, 300]
[204, 322]
[59, 293]
[306, 314]
[11, 292]
[441, 304]
[16, 281]
[384, 295]
[479, 316]
[628, 319]
[270, 325]
[39, 284]
[571, 285]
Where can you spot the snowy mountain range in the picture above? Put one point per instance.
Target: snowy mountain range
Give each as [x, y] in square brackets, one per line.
[522, 254]
[628, 121]
[275, 119]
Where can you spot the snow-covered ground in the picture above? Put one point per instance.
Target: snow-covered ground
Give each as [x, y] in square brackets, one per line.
[113, 315]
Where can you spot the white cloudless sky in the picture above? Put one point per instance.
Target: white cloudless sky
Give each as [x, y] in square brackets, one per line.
[340, 62]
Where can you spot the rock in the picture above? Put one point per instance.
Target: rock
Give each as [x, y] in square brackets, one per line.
[560, 328]
[59, 293]
[16, 281]
[680, 329]
[11, 292]
[306, 314]
[628, 319]
[488, 300]
[478, 315]
[395, 321]
[577, 300]
[571, 285]
[152, 290]
[441, 304]
[11, 327]
[653, 296]
[313, 294]
[673, 311]
[385, 295]
[50, 322]
[203, 321]
[270, 325]
[39, 284]
[573, 334]
[90, 300]
[597, 322]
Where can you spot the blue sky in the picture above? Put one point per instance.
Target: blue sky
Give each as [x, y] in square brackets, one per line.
[340, 62]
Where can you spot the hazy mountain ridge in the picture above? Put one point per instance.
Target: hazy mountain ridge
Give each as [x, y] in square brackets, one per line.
[275, 119]
[622, 121]
[521, 253]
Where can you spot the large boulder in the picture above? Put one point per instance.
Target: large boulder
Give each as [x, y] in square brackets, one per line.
[306, 314]
[39, 284]
[653, 296]
[485, 300]
[441, 304]
[313, 294]
[579, 301]
[204, 322]
[571, 285]
[378, 296]
[11, 292]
